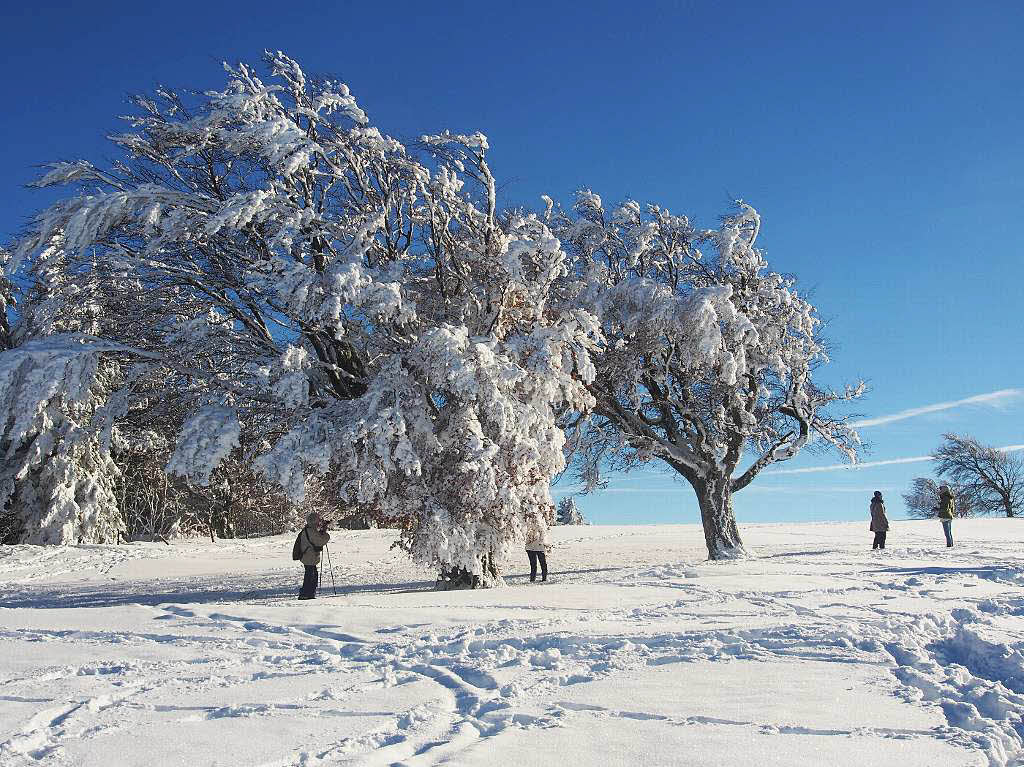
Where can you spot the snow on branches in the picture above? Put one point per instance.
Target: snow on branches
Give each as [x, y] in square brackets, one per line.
[359, 304]
[271, 281]
[705, 361]
[56, 476]
[205, 440]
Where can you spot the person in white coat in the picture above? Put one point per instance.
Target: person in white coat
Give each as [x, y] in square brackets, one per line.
[537, 548]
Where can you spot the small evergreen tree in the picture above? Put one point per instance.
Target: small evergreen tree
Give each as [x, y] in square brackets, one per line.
[569, 513]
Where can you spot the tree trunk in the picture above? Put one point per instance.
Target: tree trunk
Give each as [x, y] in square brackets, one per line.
[491, 576]
[716, 513]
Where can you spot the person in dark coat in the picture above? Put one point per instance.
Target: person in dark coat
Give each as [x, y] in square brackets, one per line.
[879, 522]
[314, 537]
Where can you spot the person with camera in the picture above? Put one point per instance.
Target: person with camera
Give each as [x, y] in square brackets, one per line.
[311, 541]
[945, 511]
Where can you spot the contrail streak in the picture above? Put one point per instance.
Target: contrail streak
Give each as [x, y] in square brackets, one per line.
[992, 398]
[870, 464]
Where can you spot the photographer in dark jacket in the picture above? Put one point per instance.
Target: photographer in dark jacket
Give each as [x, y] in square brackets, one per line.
[313, 538]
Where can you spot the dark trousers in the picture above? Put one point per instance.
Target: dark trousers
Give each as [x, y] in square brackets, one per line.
[310, 581]
[538, 556]
[947, 528]
[879, 540]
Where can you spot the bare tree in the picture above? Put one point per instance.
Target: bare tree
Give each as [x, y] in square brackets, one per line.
[990, 480]
[923, 499]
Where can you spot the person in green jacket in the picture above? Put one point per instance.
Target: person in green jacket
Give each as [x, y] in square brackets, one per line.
[945, 511]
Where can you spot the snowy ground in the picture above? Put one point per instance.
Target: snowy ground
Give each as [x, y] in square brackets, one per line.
[816, 651]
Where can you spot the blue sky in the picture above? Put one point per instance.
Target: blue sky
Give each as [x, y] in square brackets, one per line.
[881, 143]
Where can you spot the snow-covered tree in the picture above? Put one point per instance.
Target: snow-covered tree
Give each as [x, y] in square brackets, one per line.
[990, 480]
[7, 305]
[706, 362]
[269, 255]
[569, 513]
[237, 500]
[56, 475]
[922, 501]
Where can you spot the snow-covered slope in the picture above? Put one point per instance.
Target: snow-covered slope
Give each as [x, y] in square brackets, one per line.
[816, 651]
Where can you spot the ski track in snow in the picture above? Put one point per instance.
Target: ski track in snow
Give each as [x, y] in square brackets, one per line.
[449, 685]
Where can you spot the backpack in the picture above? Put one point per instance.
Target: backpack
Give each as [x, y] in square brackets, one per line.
[297, 547]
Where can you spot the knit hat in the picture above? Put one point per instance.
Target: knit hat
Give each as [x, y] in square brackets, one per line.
[878, 494]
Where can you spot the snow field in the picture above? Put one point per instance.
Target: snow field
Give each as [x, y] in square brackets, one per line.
[814, 651]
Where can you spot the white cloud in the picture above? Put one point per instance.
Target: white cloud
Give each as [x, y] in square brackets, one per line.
[994, 398]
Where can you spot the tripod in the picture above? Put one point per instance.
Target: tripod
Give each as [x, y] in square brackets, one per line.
[331, 566]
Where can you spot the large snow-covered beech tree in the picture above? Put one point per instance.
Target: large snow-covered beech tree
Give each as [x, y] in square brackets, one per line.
[274, 258]
[706, 361]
